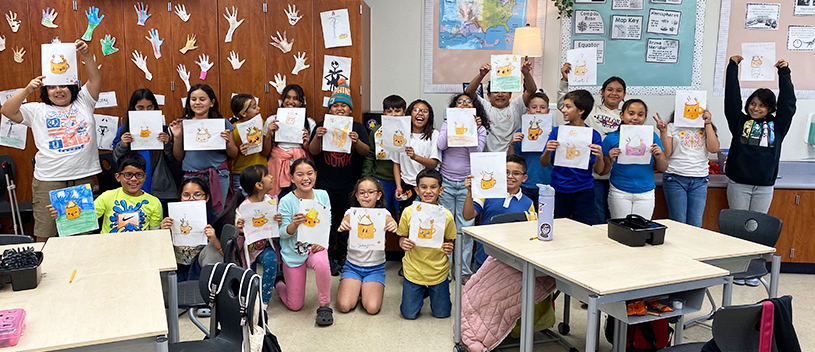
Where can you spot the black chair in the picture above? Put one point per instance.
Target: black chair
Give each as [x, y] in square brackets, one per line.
[226, 311]
[26, 209]
[107, 178]
[229, 243]
[15, 239]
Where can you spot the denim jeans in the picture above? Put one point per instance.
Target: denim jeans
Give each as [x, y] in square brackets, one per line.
[389, 192]
[413, 299]
[453, 199]
[601, 188]
[685, 197]
[749, 197]
[578, 206]
[268, 262]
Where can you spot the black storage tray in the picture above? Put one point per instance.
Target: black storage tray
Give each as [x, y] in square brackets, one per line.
[636, 231]
[23, 279]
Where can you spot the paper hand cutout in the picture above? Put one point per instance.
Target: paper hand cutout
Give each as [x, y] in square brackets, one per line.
[18, 55]
[232, 18]
[204, 64]
[190, 44]
[300, 62]
[93, 21]
[48, 17]
[181, 11]
[293, 15]
[141, 63]
[13, 22]
[281, 42]
[235, 60]
[184, 74]
[141, 11]
[107, 45]
[155, 42]
[279, 83]
[94, 60]
[2, 43]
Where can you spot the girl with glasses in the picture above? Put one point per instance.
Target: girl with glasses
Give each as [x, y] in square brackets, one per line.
[422, 152]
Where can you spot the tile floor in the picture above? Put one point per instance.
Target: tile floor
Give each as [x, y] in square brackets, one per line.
[387, 331]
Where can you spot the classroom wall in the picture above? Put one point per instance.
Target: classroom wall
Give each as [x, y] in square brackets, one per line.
[396, 68]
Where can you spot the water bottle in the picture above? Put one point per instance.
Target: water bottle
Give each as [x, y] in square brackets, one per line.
[546, 212]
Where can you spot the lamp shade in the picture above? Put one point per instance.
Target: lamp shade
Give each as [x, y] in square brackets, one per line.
[527, 42]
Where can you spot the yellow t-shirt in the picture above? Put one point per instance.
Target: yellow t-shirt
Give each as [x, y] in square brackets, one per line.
[243, 161]
[124, 213]
[423, 265]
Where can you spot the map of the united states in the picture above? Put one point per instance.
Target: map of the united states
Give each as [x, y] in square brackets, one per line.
[479, 24]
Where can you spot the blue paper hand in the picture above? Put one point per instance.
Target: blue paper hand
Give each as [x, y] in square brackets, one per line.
[93, 21]
[155, 41]
[141, 11]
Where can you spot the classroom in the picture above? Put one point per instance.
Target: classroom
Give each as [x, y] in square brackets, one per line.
[211, 215]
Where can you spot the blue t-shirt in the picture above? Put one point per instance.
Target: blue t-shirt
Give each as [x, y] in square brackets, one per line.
[148, 179]
[494, 206]
[569, 179]
[536, 172]
[631, 178]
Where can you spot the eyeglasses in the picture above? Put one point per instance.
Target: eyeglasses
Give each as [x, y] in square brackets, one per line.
[515, 174]
[129, 175]
[463, 101]
[367, 193]
[421, 111]
[196, 196]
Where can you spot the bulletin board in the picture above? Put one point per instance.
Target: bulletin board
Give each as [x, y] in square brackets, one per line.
[640, 42]
[793, 35]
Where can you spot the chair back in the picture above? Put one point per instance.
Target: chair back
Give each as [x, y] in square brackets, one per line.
[750, 226]
[227, 308]
[15, 239]
[508, 217]
[107, 178]
[8, 168]
[736, 328]
[229, 241]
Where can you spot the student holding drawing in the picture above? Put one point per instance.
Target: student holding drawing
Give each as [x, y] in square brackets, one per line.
[382, 169]
[503, 112]
[632, 185]
[757, 137]
[61, 161]
[211, 165]
[422, 152]
[296, 255]
[538, 104]
[364, 272]
[574, 187]
[282, 154]
[245, 107]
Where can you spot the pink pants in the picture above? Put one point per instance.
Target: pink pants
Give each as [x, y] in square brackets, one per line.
[293, 291]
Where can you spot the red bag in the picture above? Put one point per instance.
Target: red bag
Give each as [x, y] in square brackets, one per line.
[646, 337]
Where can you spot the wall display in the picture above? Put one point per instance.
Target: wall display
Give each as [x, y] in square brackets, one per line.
[626, 4]
[662, 51]
[336, 28]
[93, 20]
[281, 42]
[49, 15]
[107, 45]
[141, 13]
[181, 11]
[334, 69]
[597, 44]
[106, 127]
[19, 52]
[155, 42]
[761, 57]
[189, 44]
[762, 16]
[107, 100]
[293, 14]
[6, 94]
[300, 63]
[801, 38]
[11, 18]
[668, 2]
[232, 19]
[665, 22]
[185, 76]
[204, 65]
[588, 22]
[141, 63]
[804, 8]
[235, 60]
[626, 27]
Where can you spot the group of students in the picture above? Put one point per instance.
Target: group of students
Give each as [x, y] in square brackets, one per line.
[429, 171]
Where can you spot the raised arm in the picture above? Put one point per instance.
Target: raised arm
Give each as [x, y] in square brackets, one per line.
[786, 97]
[12, 106]
[529, 82]
[711, 139]
[473, 86]
[94, 76]
[563, 84]
[732, 92]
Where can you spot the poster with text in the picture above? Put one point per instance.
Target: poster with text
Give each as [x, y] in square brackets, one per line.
[665, 22]
[588, 22]
[598, 44]
[462, 131]
[505, 75]
[12, 134]
[801, 38]
[367, 229]
[536, 130]
[251, 133]
[317, 225]
[667, 2]
[427, 223]
[761, 57]
[395, 132]
[145, 127]
[584, 66]
[189, 223]
[334, 69]
[627, 4]
[626, 27]
[336, 28]
[490, 175]
[290, 124]
[662, 51]
[204, 134]
[573, 149]
[635, 144]
[106, 127]
[689, 106]
[258, 221]
[762, 16]
[336, 139]
[75, 209]
[803, 8]
[59, 64]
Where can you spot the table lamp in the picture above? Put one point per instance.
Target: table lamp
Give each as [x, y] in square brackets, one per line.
[527, 42]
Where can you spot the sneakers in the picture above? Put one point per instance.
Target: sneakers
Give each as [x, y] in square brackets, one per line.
[751, 282]
[738, 282]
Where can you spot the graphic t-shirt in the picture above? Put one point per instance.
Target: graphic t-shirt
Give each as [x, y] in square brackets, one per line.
[124, 213]
[503, 122]
[689, 156]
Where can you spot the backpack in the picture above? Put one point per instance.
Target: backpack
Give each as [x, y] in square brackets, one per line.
[256, 334]
[644, 337]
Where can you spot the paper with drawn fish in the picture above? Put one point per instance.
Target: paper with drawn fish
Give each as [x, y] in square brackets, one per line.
[251, 132]
[367, 229]
[395, 134]
[635, 144]
[427, 223]
[189, 223]
[204, 134]
[59, 65]
[336, 139]
[145, 127]
[75, 209]
[505, 75]
[489, 172]
[759, 61]
[317, 225]
[689, 106]
[462, 131]
[584, 66]
[290, 123]
[573, 149]
[536, 130]
[258, 220]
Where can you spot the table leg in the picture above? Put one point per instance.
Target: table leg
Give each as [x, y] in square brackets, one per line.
[775, 272]
[457, 260]
[727, 292]
[172, 318]
[527, 307]
[591, 324]
[161, 344]
[567, 305]
[680, 329]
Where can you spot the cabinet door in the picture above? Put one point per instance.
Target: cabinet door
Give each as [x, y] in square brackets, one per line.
[794, 207]
[716, 201]
[302, 39]
[249, 43]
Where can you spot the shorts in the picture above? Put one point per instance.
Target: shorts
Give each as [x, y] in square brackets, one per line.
[364, 273]
[44, 226]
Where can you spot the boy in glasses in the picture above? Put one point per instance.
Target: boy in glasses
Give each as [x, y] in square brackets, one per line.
[127, 208]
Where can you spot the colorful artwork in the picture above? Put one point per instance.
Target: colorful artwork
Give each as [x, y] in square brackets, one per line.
[394, 130]
[334, 69]
[536, 130]
[317, 225]
[251, 133]
[584, 66]
[189, 223]
[462, 130]
[574, 150]
[145, 127]
[427, 225]
[489, 171]
[59, 64]
[337, 139]
[367, 229]
[690, 105]
[75, 209]
[505, 75]
[635, 144]
[489, 25]
[258, 220]
[204, 134]
[290, 122]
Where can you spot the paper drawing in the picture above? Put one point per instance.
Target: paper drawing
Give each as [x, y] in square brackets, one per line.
[189, 223]
[290, 123]
[536, 130]
[489, 172]
[584, 66]
[574, 150]
[317, 225]
[505, 75]
[689, 106]
[427, 223]
[145, 127]
[635, 144]
[336, 28]
[462, 131]
[337, 139]
[367, 229]
[395, 133]
[12, 134]
[106, 127]
[76, 212]
[204, 134]
[59, 64]
[6, 94]
[334, 69]
[251, 133]
[762, 60]
[258, 221]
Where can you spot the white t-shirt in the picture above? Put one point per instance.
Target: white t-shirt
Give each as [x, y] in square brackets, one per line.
[65, 138]
[427, 148]
[689, 156]
[503, 123]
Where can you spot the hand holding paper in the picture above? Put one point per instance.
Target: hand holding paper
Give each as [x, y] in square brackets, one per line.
[141, 63]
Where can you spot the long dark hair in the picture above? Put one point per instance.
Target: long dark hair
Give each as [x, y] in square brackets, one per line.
[71, 87]
[380, 203]
[609, 81]
[249, 177]
[301, 96]
[427, 130]
[479, 109]
[628, 104]
[137, 96]
[765, 96]
[214, 111]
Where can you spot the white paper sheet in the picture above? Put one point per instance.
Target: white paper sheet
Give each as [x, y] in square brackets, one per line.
[635, 144]
[490, 175]
[337, 139]
[159, 99]
[59, 65]
[761, 60]
[12, 134]
[336, 28]
[107, 100]
[258, 221]
[252, 132]
[689, 106]
[367, 229]
[189, 222]
[536, 130]
[290, 122]
[427, 225]
[335, 68]
[505, 75]
[318, 223]
[204, 134]
[106, 127]
[395, 133]
[574, 150]
[145, 127]
[462, 130]
[6, 94]
[626, 27]
[584, 66]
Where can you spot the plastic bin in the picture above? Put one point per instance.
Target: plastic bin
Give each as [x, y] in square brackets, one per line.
[636, 231]
[12, 324]
[23, 279]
